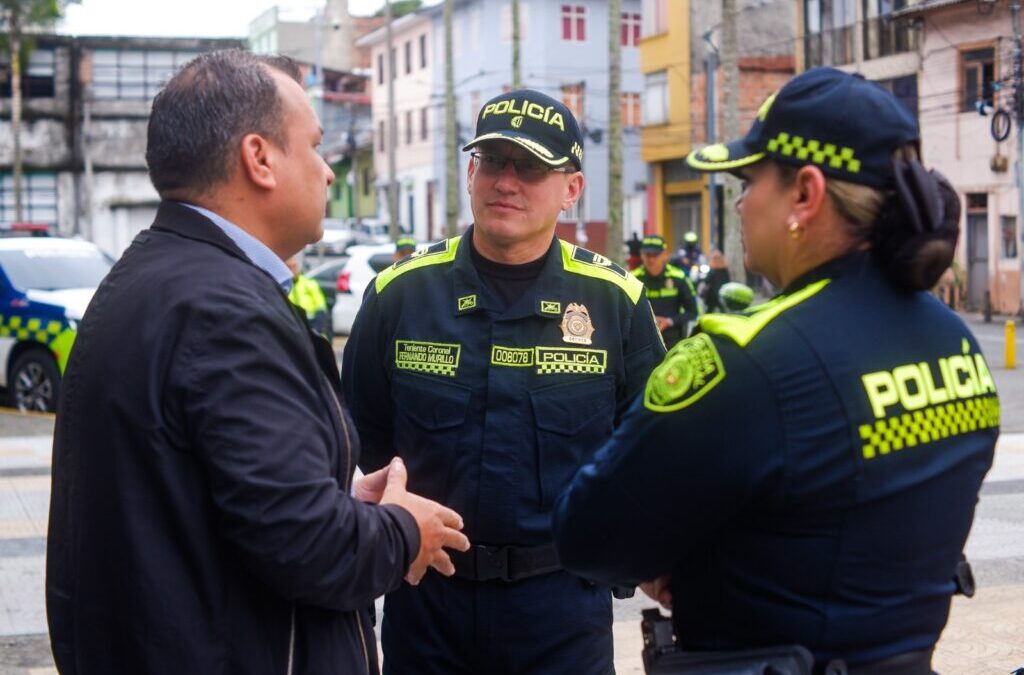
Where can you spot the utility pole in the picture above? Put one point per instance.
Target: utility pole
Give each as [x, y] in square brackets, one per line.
[710, 73]
[392, 127]
[451, 135]
[733, 247]
[517, 75]
[15, 46]
[614, 236]
[1018, 111]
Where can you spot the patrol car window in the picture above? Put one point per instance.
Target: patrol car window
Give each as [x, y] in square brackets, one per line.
[54, 269]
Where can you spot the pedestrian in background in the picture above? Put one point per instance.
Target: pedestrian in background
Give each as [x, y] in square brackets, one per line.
[495, 363]
[834, 515]
[307, 295]
[669, 290]
[201, 519]
[718, 276]
[404, 247]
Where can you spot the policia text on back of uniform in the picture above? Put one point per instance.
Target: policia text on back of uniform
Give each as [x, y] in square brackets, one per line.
[835, 437]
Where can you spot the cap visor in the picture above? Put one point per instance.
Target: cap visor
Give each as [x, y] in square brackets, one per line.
[539, 150]
[724, 157]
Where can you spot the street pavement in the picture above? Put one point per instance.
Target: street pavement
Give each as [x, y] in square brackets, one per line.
[985, 634]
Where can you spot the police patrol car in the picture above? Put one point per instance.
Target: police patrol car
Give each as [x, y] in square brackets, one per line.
[45, 285]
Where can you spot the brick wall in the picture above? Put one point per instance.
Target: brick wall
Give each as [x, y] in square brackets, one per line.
[759, 77]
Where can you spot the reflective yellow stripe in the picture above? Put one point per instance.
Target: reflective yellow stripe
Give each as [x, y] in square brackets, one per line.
[417, 260]
[61, 347]
[629, 284]
[742, 329]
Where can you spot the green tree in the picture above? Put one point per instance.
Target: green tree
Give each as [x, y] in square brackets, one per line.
[400, 8]
[18, 19]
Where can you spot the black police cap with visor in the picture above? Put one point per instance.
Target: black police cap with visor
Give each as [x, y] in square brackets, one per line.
[534, 121]
[851, 128]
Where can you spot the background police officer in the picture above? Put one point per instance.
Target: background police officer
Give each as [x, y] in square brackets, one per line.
[835, 515]
[495, 363]
[404, 247]
[670, 291]
[307, 295]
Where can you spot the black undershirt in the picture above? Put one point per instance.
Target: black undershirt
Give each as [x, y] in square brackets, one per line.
[506, 283]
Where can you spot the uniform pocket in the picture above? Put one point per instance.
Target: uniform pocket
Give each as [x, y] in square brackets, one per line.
[572, 420]
[429, 419]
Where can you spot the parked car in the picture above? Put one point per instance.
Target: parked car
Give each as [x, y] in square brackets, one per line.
[369, 232]
[326, 275]
[45, 285]
[363, 264]
[338, 236]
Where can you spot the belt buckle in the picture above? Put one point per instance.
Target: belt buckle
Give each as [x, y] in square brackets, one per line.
[492, 563]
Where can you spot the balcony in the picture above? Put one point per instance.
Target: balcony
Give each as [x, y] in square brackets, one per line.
[881, 36]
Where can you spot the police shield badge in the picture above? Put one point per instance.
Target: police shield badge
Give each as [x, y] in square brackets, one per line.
[576, 325]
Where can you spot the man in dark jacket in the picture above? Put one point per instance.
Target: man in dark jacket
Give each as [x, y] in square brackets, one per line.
[202, 515]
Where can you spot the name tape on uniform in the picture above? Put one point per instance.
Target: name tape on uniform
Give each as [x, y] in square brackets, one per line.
[435, 358]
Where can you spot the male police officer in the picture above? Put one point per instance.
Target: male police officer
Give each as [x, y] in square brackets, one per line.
[495, 363]
[671, 293]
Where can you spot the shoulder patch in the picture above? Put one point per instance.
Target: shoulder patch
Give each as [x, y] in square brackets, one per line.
[742, 328]
[436, 254]
[689, 371]
[589, 264]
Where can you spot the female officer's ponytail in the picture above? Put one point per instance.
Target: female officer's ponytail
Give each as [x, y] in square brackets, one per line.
[915, 236]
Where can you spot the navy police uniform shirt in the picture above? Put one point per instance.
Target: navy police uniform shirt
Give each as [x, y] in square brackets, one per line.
[672, 296]
[837, 437]
[493, 409]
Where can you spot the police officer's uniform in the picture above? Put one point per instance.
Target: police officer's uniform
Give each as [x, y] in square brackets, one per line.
[671, 293]
[307, 295]
[836, 440]
[493, 409]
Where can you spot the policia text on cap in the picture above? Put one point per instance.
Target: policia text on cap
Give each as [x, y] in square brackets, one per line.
[835, 437]
[495, 364]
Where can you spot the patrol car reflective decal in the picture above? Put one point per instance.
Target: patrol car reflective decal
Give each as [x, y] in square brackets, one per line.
[511, 356]
[467, 302]
[32, 329]
[689, 371]
[550, 307]
[555, 360]
[928, 395]
[435, 358]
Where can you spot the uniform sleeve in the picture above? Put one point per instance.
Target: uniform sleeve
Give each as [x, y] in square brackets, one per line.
[648, 499]
[265, 438]
[688, 305]
[644, 351]
[366, 385]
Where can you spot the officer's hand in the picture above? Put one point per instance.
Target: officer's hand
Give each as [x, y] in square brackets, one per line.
[659, 590]
[370, 488]
[663, 322]
[439, 525]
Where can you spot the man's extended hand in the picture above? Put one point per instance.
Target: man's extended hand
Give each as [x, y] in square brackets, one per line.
[439, 525]
[659, 590]
[663, 322]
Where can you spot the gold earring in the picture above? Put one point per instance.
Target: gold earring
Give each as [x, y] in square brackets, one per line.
[795, 229]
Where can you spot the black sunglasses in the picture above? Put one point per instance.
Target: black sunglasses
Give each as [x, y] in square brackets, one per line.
[527, 169]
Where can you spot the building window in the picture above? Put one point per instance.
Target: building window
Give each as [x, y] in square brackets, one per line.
[37, 81]
[408, 56]
[423, 51]
[572, 97]
[1009, 228]
[408, 127]
[654, 15]
[38, 198]
[133, 73]
[380, 68]
[506, 23]
[978, 68]
[367, 180]
[630, 29]
[380, 137]
[574, 23]
[656, 98]
[630, 109]
[424, 115]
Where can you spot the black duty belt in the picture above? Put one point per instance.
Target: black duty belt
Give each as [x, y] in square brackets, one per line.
[507, 563]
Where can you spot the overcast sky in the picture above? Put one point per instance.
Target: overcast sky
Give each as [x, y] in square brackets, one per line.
[184, 18]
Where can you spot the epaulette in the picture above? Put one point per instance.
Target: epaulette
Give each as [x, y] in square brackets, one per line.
[675, 273]
[435, 254]
[742, 328]
[581, 261]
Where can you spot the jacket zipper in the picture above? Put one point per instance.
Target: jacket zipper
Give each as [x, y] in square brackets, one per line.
[291, 644]
[348, 478]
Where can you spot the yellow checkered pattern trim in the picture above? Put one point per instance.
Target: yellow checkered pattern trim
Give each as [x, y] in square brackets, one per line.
[927, 425]
[552, 368]
[819, 152]
[432, 368]
[32, 329]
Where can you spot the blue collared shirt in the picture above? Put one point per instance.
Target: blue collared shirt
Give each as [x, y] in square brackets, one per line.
[253, 248]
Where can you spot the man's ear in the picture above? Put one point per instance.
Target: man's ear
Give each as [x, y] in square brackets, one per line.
[573, 190]
[470, 172]
[810, 193]
[256, 160]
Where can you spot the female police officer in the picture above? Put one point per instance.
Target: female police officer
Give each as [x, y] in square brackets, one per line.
[835, 515]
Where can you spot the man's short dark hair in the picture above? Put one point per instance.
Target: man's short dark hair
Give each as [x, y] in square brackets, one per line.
[204, 111]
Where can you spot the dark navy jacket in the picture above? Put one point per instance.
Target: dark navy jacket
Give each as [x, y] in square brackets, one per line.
[200, 520]
[836, 440]
[672, 296]
[494, 410]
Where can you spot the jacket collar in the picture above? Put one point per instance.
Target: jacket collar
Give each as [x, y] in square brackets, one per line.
[179, 219]
[857, 263]
[470, 295]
